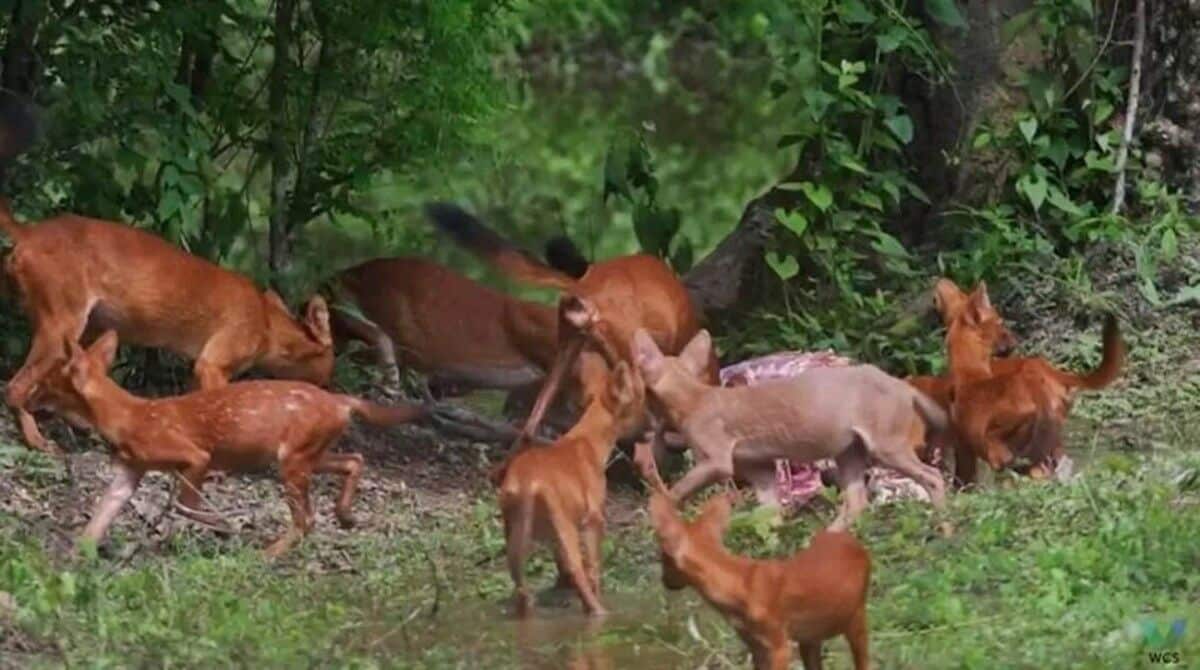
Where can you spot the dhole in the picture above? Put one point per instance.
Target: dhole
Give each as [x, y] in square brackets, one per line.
[556, 493]
[818, 593]
[1024, 401]
[427, 317]
[241, 426]
[627, 293]
[76, 274]
[851, 414]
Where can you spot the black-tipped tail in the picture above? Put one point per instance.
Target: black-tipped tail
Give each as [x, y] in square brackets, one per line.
[564, 256]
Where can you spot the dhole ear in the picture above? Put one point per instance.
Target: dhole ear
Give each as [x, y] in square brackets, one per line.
[104, 350]
[697, 352]
[316, 320]
[948, 298]
[978, 304]
[646, 353]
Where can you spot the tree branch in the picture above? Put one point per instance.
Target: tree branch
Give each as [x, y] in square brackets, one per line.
[1135, 81]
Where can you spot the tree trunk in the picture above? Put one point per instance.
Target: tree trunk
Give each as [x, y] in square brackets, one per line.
[20, 59]
[279, 256]
[1171, 95]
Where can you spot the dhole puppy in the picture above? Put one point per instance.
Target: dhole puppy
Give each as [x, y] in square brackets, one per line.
[1023, 403]
[76, 274]
[240, 426]
[556, 493]
[850, 414]
[627, 293]
[818, 593]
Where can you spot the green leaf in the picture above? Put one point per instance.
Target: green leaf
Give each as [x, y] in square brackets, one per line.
[946, 12]
[793, 221]
[901, 126]
[1101, 111]
[888, 245]
[869, 199]
[1035, 188]
[1058, 199]
[818, 194]
[855, 12]
[850, 163]
[891, 39]
[1168, 246]
[982, 140]
[785, 267]
[1028, 128]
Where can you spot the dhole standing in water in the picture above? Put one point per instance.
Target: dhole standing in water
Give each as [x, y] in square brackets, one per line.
[556, 493]
[818, 593]
[851, 414]
[241, 426]
[76, 274]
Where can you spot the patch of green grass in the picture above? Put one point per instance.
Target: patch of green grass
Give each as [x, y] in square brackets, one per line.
[1034, 576]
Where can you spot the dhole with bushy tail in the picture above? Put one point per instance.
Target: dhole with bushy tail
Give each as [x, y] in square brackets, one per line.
[1008, 407]
[616, 297]
[556, 493]
[817, 594]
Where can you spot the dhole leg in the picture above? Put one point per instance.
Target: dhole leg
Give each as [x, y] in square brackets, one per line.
[518, 531]
[851, 478]
[593, 537]
[856, 636]
[222, 357]
[965, 465]
[567, 537]
[568, 353]
[771, 650]
[810, 655]
[902, 458]
[120, 489]
[350, 466]
[44, 352]
[296, 479]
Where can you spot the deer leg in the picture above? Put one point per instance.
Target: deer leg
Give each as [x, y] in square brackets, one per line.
[120, 489]
[350, 466]
[297, 474]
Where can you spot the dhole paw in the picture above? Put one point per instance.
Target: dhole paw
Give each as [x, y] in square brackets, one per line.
[523, 602]
[346, 519]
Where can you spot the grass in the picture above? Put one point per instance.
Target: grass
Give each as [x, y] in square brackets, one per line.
[1035, 576]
